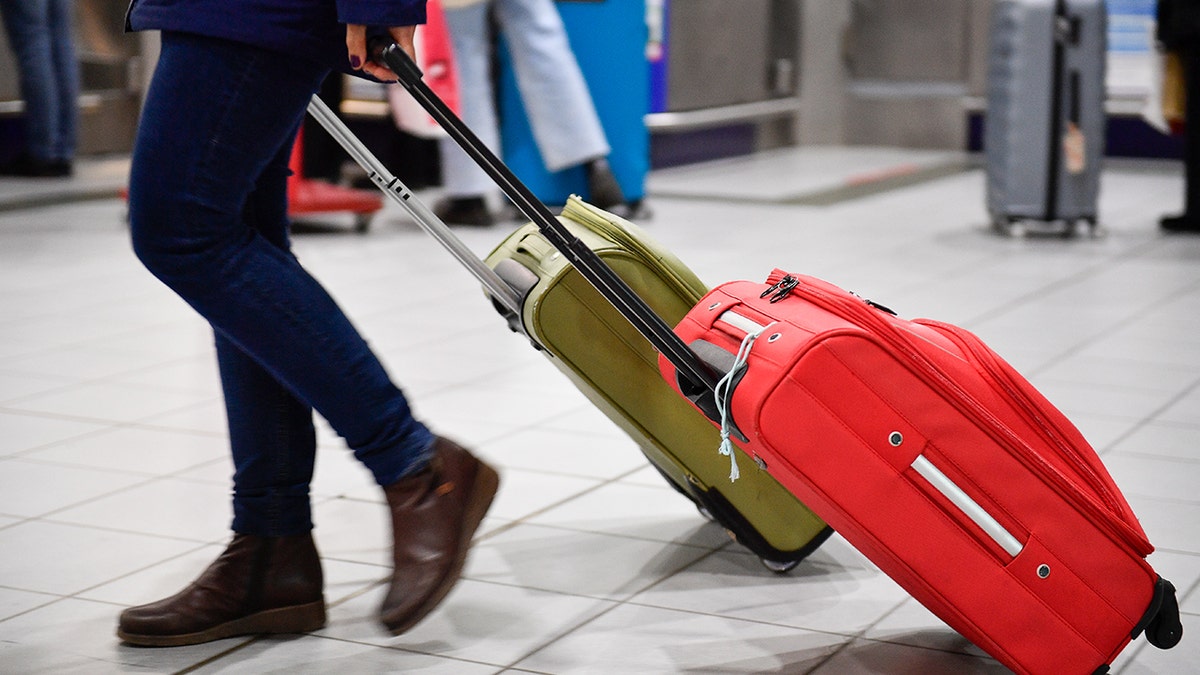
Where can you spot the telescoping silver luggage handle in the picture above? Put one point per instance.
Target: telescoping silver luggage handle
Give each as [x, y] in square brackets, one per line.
[426, 219]
[590, 266]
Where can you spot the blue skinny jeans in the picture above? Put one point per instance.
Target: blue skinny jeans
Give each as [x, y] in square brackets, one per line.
[208, 215]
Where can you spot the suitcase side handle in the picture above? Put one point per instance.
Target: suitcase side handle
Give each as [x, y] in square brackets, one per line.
[590, 266]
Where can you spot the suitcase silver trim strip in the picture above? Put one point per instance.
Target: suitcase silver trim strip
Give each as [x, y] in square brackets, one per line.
[740, 322]
[942, 483]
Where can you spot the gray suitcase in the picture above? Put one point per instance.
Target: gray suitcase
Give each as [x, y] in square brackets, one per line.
[1044, 133]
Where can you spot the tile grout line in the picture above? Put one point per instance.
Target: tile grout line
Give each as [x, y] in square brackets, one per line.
[616, 605]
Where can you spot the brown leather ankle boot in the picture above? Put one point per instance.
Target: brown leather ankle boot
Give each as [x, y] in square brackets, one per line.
[258, 585]
[434, 516]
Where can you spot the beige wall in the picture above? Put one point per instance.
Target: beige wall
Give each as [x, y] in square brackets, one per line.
[908, 69]
[8, 72]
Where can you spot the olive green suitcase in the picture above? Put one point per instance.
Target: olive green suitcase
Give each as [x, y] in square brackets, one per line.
[544, 297]
[617, 369]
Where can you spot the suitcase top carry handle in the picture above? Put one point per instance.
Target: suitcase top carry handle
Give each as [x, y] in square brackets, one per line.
[590, 266]
[496, 287]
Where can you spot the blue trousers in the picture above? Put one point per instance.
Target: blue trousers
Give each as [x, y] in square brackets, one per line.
[39, 32]
[208, 214]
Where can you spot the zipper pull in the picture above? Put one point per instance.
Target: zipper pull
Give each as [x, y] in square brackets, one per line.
[875, 305]
[880, 307]
[781, 288]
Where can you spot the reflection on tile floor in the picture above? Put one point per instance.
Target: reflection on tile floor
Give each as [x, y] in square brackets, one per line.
[114, 474]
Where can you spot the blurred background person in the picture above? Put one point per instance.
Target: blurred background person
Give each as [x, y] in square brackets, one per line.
[560, 108]
[1179, 31]
[40, 34]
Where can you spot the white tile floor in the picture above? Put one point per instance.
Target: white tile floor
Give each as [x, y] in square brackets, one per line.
[114, 475]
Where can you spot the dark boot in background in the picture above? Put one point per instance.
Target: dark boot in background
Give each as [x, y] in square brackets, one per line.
[603, 189]
[472, 211]
[1183, 223]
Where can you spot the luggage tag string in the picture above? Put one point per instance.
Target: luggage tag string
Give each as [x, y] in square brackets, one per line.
[723, 393]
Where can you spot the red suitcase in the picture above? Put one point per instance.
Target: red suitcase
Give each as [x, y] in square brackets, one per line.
[914, 441]
[937, 460]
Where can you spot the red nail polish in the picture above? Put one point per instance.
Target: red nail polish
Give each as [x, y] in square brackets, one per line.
[355, 62]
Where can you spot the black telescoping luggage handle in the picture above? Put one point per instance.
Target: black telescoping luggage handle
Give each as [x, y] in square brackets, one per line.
[599, 274]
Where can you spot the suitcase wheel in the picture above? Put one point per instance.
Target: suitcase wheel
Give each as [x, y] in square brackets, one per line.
[1094, 229]
[776, 566]
[1164, 632]
[1085, 226]
[779, 566]
[362, 222]
[1011, 227]
[1165, 629]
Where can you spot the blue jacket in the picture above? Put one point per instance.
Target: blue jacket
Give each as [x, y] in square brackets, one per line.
[313, 29]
